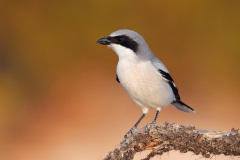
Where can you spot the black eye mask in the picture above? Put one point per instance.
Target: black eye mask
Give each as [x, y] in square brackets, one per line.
[124, 41]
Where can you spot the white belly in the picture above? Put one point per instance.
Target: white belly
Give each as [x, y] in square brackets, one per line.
[144, 84]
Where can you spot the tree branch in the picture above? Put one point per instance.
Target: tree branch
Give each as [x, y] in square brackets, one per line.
[167, 137]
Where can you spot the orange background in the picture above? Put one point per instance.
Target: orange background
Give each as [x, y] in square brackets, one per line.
[59, 99]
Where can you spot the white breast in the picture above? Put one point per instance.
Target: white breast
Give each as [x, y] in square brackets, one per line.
[144, 84]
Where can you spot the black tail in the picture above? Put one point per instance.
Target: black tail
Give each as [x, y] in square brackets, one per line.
[182, 106]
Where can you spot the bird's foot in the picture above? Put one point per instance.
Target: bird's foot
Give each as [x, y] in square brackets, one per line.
[130, 132]
[153, 122]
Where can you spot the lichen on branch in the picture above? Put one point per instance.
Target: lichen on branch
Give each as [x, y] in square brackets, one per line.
[167, 137]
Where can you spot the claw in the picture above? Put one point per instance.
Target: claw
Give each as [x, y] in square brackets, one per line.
[130, 132]
[135, 126]
[153, 123]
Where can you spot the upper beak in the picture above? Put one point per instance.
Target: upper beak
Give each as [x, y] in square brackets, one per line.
[104, 41]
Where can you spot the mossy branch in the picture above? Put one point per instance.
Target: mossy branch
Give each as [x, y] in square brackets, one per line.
[167, 137]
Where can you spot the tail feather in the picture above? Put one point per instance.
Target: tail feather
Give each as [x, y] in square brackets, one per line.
[182, 106]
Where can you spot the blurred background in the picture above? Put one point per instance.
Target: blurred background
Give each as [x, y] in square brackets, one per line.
[59, 99]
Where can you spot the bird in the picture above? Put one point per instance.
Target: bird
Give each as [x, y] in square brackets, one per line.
[142, 75]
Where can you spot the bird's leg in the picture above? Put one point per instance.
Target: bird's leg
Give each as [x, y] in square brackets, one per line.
[135, 125]
[156, 116]
[140, 119]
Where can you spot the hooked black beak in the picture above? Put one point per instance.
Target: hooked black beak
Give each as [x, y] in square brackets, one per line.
[104, 41]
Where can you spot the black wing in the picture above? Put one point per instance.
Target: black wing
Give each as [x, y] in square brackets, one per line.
[117, 78]
[170, 81]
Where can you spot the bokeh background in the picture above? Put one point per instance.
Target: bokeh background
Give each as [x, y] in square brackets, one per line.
[59, 99]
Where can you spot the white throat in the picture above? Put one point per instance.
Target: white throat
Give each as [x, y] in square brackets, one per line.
[124, 53]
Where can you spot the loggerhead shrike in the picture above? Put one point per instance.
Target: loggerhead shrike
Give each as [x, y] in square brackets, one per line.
[144, 77]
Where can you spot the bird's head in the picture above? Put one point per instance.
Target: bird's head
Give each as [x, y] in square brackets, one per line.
[127, 44]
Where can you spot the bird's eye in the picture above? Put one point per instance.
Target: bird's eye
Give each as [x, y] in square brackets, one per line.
[119, 39]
